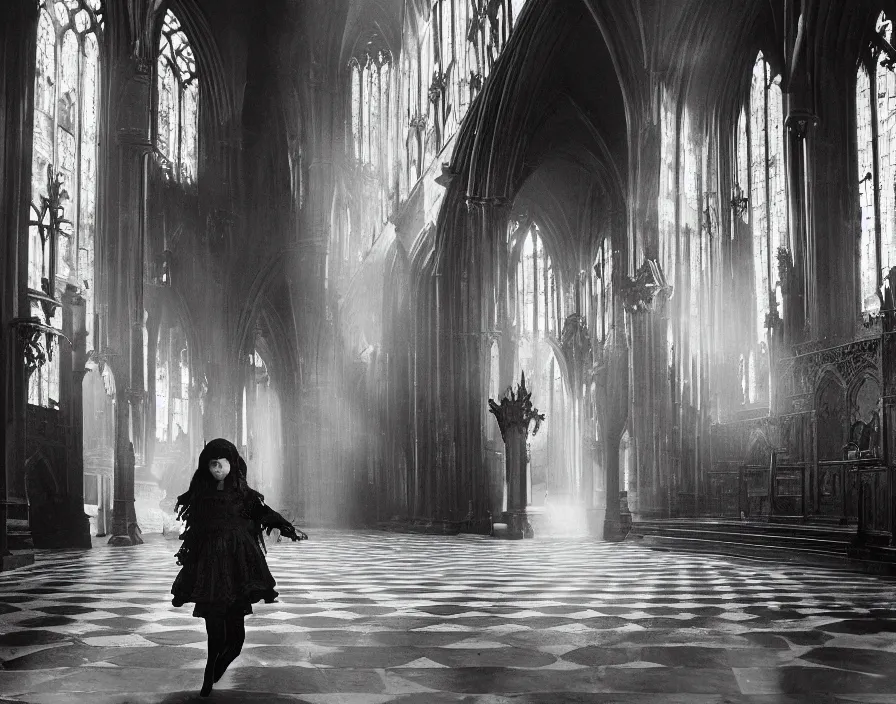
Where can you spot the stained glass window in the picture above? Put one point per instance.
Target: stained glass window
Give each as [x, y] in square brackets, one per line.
[177, 117]
[876, 125]
[172, 377]
[690, 230]
[768, 188]
[668, 185]
[538, 296]
[370, 107]
[65, 138]
[355, 71]
[602, 290]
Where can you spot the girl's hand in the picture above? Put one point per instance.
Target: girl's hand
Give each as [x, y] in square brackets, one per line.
[289, 531]
[293, 533]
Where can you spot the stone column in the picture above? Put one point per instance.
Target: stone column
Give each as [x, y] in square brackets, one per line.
[74, 324]
[514, 414]
[123, 268]
[576, 345]
[611, 379]
[799, 313]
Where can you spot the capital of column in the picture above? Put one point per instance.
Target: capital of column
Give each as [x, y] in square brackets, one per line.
[647, 290]
[136, 139]
[484, 203]
[798, 122]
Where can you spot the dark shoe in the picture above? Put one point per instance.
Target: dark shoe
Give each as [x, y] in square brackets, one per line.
[208, 679]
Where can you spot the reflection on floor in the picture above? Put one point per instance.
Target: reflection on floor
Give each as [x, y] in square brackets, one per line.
[376, 617]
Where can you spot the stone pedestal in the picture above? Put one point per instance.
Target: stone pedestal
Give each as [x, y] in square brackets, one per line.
[125, 530]
[514, 414]
[518, 525]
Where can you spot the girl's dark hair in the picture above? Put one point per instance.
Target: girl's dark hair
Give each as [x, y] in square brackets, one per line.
[203, 480]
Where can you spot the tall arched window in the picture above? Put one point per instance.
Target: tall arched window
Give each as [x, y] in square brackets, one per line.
[177, 117]
[768, 188]
[538, 294]
[602, 290]
[370, 124]
[760, 199]
[876, 132]
[66, 142]
[172, 384]
[689, 204]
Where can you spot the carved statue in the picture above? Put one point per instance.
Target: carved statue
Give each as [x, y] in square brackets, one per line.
[646, 288]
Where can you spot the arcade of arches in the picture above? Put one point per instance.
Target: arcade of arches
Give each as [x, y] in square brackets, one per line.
[333, 230]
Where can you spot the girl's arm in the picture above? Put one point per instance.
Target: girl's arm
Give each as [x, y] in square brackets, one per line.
[268, 518]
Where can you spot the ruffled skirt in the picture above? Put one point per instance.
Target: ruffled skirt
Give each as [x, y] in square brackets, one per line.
[225, 571]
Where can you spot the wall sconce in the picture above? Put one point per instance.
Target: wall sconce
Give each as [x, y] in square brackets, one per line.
[739, 200]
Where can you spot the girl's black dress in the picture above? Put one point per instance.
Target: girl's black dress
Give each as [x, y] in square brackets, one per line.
[222, 556]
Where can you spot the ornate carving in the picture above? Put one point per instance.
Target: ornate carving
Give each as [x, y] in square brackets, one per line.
[739, 201]
[646, 289]
[576, 344]
[438, 86]
[516, 411]
[49, 223]
[785, 268]
[799, 375]
[33, 353]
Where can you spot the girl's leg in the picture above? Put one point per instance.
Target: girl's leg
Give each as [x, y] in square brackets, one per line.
[216, 627]
[236, 636]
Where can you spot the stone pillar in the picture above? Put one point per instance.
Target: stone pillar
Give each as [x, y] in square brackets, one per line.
[799, 314]
[18, 30]
[576, 345]
[514, 415]
[611, 379]
[74, 324]
[125, 530]
[121, 248]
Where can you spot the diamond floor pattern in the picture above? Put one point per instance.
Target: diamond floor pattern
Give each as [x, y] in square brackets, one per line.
[369, 618]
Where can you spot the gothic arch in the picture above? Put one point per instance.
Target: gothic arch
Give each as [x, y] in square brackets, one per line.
[864, 387]
[830, 415]
[759, 449]
[217, 107]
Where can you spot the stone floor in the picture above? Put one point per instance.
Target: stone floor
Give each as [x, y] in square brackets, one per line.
[376, 617]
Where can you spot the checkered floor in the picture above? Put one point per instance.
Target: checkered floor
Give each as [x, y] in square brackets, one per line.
[376, 617]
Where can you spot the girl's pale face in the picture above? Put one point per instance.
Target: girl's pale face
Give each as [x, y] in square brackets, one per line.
[219, 468]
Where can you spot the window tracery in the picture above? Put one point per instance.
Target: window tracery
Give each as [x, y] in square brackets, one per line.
[876, 132]
[177, 113]
[65, 145]
[763, 204]
[602, 290]
[172, 385]
[768, 203]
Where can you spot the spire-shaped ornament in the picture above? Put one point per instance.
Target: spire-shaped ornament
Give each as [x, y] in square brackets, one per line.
[515, 414]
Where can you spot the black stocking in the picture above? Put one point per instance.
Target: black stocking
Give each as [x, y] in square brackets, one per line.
[216, 627]
[236, 636]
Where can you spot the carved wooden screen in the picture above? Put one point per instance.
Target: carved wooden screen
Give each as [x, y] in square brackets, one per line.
[831, 414]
